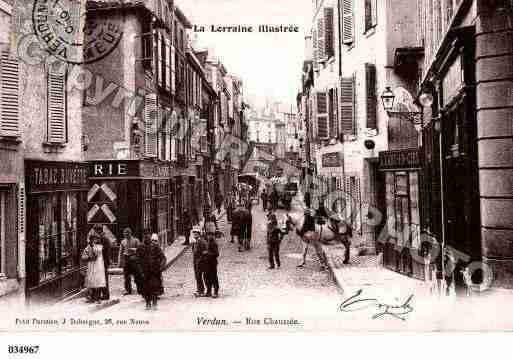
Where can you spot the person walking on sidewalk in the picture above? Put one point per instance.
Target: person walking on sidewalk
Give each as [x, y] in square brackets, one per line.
[211, 254]
[199, 246]
[106, 252]
[307, 199]
[274, 236]
[263, 195]
[129, 262]
[219, 201]
[186, 226]
[153, 261]
[95, 278]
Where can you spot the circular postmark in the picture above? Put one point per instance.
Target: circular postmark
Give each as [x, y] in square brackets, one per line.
[61, 27]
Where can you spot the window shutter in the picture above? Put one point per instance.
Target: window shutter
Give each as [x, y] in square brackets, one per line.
[315, 50]
[374, 12]
[161, 80]
[347, 21]
[321, 41]
[322, 115]
[368, 14]
[313, 121]
[370, 79]
[168, 65]
[347, 106]
[328, 37]
[173, 70]
[150, 125]
[9, 96]
[56, 106]
[332, 113]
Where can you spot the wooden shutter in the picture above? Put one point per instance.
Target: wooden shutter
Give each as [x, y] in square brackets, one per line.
[168, 65]
[374, 12]
[160, 79]
[347, 21]
[368, 14]
[332, 113]
[321, 41]
[150, 125]
[315, 50]
[322, 115]
[9, 96]
[329, 32]
[173, 70]
[347, 106]
[370, 80]
[56, 106]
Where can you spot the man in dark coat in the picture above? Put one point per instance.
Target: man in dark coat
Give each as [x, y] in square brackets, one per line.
[211, 254]
[186, 226]
[106, 251]
[152, 260]
[308, 199]
[199, 246]
[274, 235]
[263, 195]
[129, 262]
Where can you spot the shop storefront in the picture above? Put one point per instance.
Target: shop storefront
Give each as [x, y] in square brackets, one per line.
[56, 197]
[135, 194]
[401, 169]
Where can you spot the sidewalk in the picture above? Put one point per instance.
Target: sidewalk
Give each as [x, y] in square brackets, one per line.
[366, 273]
[116, 281]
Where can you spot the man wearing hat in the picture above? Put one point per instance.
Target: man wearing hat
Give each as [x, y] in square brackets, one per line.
[274, 235]
[209, 258]
[199, 246]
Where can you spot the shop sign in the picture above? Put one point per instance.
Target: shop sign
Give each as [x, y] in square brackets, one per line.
[331, 159]
[114, 169]
[399, 159]
[55, 176]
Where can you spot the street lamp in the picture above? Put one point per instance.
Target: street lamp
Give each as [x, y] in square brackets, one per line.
[415, 117]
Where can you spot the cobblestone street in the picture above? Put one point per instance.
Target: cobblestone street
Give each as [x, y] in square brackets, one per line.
[248, 287]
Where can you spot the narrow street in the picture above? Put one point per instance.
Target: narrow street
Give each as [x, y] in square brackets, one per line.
[248, 288]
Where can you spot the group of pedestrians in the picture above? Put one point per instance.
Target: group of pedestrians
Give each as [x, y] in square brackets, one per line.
[144, 262]
[270, 200]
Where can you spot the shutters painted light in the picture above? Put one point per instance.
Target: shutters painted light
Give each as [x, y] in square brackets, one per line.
[161, 81]
[374, 13]
[329, 32]
[168, 65]
[322, 115]
[57, 106]
[347, 22]
[370, 79]
[9, 96]
[150, 125]
[321, 40]
[173, 70]
[347, 106]
[315, 50]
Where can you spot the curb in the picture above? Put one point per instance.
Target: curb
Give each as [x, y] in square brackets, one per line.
[339, 281]
[104, 305]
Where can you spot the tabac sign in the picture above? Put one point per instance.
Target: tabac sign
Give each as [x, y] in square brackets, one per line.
[55, 176]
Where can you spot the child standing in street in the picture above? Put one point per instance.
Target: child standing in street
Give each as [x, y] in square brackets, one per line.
[274, 236]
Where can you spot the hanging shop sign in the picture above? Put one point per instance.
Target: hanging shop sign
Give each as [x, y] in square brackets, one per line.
[408, 158]
[331, 159]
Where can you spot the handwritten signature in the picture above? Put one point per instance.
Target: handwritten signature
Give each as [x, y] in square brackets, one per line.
[357, 303]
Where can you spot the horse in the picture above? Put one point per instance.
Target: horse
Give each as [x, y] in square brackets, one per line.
[323, 235]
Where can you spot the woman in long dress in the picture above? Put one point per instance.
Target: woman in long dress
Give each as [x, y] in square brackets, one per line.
[95, 278]
[152, 260]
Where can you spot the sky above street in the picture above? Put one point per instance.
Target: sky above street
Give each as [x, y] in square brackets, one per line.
[269, 63]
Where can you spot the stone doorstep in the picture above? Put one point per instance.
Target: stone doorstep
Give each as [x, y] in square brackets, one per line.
[173, 256]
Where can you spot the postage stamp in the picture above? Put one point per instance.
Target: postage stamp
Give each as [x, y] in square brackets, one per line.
[64, 30]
